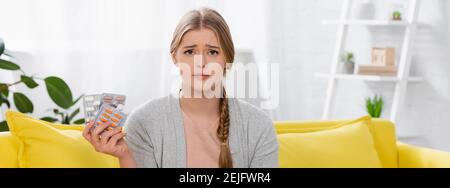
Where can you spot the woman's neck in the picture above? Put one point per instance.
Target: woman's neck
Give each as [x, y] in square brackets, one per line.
[200, 106]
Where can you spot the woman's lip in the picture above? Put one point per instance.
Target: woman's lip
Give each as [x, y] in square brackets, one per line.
[203, 77]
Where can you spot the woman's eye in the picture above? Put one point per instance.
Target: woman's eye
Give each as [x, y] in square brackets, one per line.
[213, 52]
[189, 52]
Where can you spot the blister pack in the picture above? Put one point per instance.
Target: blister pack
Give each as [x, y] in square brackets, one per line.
[105, 107]
[109, 114]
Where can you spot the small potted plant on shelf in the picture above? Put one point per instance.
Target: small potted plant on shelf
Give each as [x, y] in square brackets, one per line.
[396, 12]
[396, 15]
[347, 64]
[374, 106]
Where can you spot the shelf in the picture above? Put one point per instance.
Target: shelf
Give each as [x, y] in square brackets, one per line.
[373, 78]
[368, 22]
[409, 24]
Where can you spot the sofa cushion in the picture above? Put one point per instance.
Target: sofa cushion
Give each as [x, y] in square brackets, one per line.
[383, 132]
[9, 145]
[44, 144]
[345, 145]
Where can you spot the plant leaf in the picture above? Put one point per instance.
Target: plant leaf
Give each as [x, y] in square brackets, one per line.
[49, 119]
[56, 111]
[23, 104]
[81, 96]
[379, 106]
[74, 113]
[66, 119]
[4, 89]
[3, 126]
[79, 121]
[59, 92]
[28, 81]
[2, 46]
[7, 65]
[4, 100]
[369, 107]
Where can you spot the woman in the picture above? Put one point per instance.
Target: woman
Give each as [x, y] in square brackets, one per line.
[194, 132]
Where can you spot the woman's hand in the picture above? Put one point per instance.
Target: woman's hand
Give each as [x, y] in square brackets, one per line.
[110, 142]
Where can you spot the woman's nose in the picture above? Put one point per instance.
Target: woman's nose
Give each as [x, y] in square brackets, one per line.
[200, 61]
[205, 61]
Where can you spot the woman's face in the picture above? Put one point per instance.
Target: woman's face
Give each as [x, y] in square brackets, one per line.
[201, 62]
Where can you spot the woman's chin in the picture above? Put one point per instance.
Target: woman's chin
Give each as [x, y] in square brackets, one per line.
[204, 93]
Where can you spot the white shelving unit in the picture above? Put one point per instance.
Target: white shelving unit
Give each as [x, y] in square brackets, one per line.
[367, 22]
[372, 78]
[402, 78]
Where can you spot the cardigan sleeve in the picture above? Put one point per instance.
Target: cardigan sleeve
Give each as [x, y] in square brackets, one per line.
[266, 145]
[139, 142]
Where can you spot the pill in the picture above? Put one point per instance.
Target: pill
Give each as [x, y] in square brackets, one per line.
[109, 111]
[113, 124]
[118, 116]
[114, 120]
[103, 119]
[106, 115]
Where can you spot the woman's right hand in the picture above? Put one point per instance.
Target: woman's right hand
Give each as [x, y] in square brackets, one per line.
[111, 142]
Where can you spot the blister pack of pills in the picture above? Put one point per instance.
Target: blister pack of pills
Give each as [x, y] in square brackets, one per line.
[109, 114]
[91, 104]
[115, 99]
[96, 104]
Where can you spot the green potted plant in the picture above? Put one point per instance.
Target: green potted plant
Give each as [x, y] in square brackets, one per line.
[57, 89]
[396, 12]
[374, 106]
[396, 15]
[347, 64]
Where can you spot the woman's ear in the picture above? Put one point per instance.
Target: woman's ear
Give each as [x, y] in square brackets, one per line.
[227, 66]
[174, 59]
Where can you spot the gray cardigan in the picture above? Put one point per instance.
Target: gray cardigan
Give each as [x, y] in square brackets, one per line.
[155, 135]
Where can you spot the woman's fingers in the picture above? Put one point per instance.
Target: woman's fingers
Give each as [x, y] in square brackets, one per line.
[87, 131]
[95, 135]
[102, 140]
[106, 135]
[114, 139]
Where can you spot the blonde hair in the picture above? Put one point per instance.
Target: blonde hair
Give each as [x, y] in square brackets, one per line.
[211, 19]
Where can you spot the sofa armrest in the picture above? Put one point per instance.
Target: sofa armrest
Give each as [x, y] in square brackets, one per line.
[418, 157]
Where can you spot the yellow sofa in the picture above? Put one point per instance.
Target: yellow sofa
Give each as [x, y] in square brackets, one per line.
[391, 153]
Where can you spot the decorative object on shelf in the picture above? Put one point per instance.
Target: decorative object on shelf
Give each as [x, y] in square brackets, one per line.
[383, 56]
[374, 106]
[376, 70]
[347, 64]
[397, 12]
[383, 63]
[364, 10]
[57, 90]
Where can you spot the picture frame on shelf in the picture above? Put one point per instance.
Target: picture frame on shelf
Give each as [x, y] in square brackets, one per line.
[383, 56]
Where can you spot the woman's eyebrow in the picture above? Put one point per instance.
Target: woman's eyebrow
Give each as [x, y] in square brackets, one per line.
[212, 46]
[191, 46]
